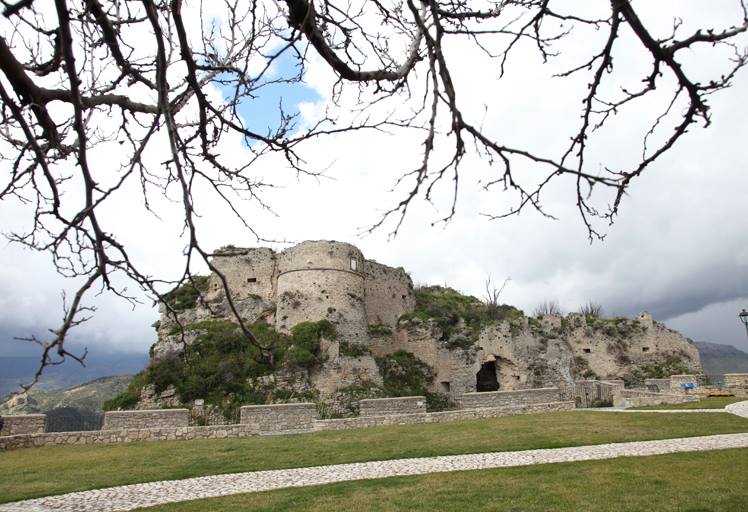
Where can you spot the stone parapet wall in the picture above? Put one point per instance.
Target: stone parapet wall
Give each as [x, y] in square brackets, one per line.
[662, 385]
[279, 418]
[23, 424]
[678, 381]
[148, 418]
[439, 417]
[736, 381]
[595, 393]
[508, 398]
[126, 436]
[384, 406]
[638, 398]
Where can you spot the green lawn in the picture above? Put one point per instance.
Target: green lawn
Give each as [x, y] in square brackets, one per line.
[712, 402]
[58, 469]
[684, 482]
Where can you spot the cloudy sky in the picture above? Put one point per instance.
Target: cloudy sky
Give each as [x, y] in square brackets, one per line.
[678, 249]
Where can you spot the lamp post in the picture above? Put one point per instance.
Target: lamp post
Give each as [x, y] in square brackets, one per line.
[743, 315]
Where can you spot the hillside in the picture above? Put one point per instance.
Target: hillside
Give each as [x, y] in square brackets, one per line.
[87, 397]
[719, 359]
[17, 370]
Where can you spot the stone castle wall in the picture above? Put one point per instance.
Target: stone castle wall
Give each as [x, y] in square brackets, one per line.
[23, 424]
[385, 406]
[153, 418]
[248, 272]
[388, 295]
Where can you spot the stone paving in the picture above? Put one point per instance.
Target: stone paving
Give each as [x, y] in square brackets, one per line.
[129, 497]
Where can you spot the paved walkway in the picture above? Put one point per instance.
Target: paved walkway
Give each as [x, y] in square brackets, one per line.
[129, 497]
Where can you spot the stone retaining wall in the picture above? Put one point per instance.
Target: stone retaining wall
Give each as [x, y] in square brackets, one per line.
[736, 381]
[23, 424]
[677, 380]
[439, 417]
[595, 393]
[518, 398]
[401, 405]
[638, 398]
[279, 418]
[662, 385]
[148, 418]
[126, 436]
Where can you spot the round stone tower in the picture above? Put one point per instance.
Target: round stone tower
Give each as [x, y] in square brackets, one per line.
[322, 280]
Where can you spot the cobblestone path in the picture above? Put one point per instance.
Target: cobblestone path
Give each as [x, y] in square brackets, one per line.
[129, 497]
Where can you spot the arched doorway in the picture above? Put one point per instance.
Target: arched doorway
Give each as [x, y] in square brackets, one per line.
[485, 379]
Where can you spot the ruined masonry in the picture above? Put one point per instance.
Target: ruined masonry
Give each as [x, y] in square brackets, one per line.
[366, 301]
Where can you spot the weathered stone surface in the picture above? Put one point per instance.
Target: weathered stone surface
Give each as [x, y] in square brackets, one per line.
[23, 424]
[126, 436]
[384, 406]
[278, 418]
[686, 383]
[737, 382]
[638, 398]
[140, 419]
[439, 417]
[496, 399]
[658, 385]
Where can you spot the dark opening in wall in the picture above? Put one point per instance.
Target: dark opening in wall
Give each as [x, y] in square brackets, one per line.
[645, 349]
[251, 279]
[485, 379]
[445, 386]
[586, 350]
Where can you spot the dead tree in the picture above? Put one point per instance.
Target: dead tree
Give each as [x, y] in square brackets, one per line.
[80, 76]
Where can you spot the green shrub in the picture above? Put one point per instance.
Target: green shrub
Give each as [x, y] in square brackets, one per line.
[353, 349]
[436, 402]
[672, 365]
[379, 330]
[130, 396]
[185, 296]
[221, 365]
[447, 307]
[403, 374]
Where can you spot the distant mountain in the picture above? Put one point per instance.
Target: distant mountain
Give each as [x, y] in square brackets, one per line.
[719, 359]
[88, 397]
[19, 370]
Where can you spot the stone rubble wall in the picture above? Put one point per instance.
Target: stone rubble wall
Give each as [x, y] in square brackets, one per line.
[736, 382]
[279, 418]
[267, 419]
[126, 436]
[439, 417]
[677, 380]
[388, 294]
[508, 398]
[594, 393]
[385, 406]
[638, 398]
[662, 385]
[143, 419]
[23, 424]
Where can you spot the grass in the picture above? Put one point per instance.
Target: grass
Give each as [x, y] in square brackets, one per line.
[52, 470]
[690, 482]
[712, 402]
